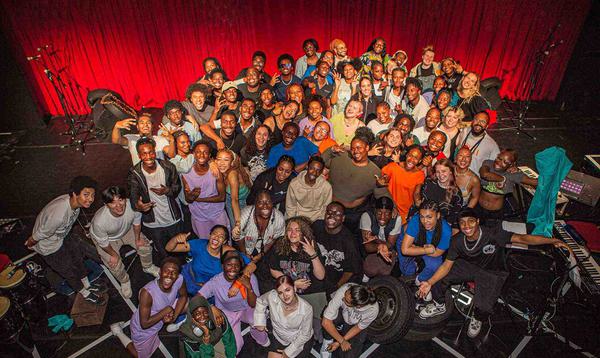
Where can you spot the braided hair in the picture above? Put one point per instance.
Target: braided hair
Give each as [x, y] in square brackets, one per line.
[421, 239]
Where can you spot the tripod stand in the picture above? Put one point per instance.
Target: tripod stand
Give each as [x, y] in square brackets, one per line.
[522, 125]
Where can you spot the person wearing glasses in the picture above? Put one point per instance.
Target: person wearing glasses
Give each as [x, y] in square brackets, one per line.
[282, 80]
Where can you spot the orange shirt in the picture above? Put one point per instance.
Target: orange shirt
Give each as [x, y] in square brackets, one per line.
[326, 144]
[402, 186]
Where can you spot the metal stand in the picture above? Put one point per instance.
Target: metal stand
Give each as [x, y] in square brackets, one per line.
[77, 126]
[520, 124]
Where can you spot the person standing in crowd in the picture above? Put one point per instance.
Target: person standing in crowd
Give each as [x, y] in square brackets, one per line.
[228, 136]
[276, 123]
[291, 318]
[414, 103]
[116, 224]
[482, 146]
[154, 185]
[318, 85]
[340, 50]
[432, 121]
[367, 98]
[184, 159]
[275, 181]
[229, 100]
[255, 154]
[266, 103]
[162, 300]
[380, 82]
[165, 146]
[259, 60]
[427, 70]
[375, 52]
[205, 193]
[383, 121]
[237, 185]
[314, 116]
[299, 148]
[345, 124]
[452, 72]
[352, 178]
[309, 193]
[394, 93]
[310, 58]
[469, 98]
[380, 231]
[216, 80]
[467, 181]
[286, 77]
[179, 119]
[345, 87]
[196, 104]
[404, 179]
[250, 85]
[388, 150]
[406, 124]
[450, 128]
[442, 189]
[321, 137]
[208, 65]
[353, 307]
[62, 250]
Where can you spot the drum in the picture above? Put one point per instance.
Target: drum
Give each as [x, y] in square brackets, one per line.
[25, 292]
[11, 321]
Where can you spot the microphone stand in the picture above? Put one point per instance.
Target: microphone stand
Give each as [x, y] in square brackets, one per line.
[522, 125]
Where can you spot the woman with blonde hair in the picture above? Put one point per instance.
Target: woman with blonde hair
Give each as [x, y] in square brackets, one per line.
[469, 98]
[450, 126]
[237, 184]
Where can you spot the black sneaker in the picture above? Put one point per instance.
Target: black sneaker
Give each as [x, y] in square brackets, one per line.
[97, 288]
[95, 299]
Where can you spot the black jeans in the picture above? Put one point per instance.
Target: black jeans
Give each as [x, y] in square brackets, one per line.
[488, 284]
[161, 235]
[68, 261]
[356, 342]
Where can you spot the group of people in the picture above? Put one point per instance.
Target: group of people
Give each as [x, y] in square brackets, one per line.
[286, 193]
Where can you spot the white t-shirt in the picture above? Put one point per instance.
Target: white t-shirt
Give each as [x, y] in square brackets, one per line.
[365, 224]
[53, 224]
[377, 127]
[419, 112]
[393, 100]
[161, 143]
[106, 227]
[485, 148]
[249, 231]
[363, 316]
[421, 134]
[162, 212]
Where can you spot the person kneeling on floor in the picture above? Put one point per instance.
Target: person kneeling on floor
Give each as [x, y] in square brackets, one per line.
[474, 256]
[161, 301]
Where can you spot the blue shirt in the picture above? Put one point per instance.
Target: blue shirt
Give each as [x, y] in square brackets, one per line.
[301, 151]
[281, 87]
[311, 68]
[413, 230]
[204, 265]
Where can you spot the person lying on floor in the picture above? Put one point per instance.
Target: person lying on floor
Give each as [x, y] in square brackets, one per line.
[474, 255]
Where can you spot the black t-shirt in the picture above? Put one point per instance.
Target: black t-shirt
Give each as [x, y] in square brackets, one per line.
[243, 88]
[266, 180]
[264, 77]
[235, 144]
[297, 267]
[453, 80]
[476, 104]
[339, 252]
[325, 91]
[449, 210]
[486, 253]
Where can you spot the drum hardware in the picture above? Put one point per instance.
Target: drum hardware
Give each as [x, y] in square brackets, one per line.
[25, 290]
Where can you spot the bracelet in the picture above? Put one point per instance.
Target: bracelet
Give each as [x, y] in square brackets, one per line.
[313, 256]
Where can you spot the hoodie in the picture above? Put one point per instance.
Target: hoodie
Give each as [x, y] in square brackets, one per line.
[305, 200]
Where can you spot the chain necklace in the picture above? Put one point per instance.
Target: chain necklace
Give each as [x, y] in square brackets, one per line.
[476, 242]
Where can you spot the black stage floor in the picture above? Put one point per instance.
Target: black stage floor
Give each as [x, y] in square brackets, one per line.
[39, 170]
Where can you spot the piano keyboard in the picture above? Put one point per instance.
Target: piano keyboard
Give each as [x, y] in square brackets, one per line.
[589, 269]
[561, 199]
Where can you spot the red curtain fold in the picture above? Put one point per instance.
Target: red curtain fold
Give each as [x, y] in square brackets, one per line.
[150, 50]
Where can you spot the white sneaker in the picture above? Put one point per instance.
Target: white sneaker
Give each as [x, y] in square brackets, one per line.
[474, 327]
[432, 309]
[153, 270]
[173, 327]
[116, 328]
[126, 289]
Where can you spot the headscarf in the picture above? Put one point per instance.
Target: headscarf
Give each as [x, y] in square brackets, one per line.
[187, 328]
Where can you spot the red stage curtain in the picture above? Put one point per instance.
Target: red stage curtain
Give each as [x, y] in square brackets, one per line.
[150, 50]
